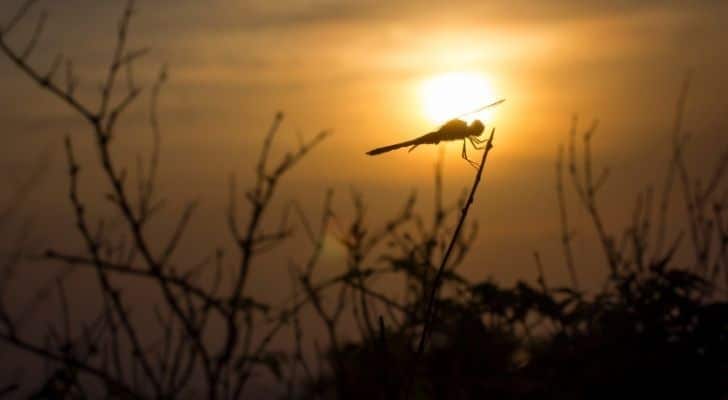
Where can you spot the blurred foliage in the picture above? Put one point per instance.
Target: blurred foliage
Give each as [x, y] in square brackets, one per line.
[652, 333]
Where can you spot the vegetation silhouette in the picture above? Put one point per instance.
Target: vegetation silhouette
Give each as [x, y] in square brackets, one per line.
[657, 327]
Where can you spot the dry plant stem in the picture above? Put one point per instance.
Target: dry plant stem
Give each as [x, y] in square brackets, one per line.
[677, 144]
[171, 280]
[93, 249]
[164, 366]
[103, 123]
[438, 277]
[85, 367]
[249, 240]
[566, 234]
[587, 187]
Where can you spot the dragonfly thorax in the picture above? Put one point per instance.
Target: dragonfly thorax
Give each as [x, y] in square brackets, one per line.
[475, 128]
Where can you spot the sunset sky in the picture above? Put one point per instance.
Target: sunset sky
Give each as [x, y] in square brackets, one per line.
[362, 69]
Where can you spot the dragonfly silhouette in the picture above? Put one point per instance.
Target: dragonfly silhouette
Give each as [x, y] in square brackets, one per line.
[455, 129]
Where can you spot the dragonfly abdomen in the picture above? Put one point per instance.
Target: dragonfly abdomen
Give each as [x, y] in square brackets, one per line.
[380, 150]
[429, 138]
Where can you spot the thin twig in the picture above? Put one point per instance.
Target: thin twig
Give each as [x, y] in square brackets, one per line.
[441, 270]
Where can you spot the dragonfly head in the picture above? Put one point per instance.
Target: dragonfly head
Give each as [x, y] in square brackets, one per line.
[475, 128]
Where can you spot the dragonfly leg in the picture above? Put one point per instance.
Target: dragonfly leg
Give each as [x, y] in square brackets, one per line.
[477, 139]
[478, 145]
[465, 156]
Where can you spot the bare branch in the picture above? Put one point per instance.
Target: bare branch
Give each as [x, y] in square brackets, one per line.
[19, 15]
[36, 35]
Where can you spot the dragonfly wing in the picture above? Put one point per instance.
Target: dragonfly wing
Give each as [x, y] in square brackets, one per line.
[493, 104]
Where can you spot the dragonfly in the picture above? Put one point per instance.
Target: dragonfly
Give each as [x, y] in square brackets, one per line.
[455, 129]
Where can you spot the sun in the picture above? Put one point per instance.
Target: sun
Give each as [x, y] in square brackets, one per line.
[447, 96]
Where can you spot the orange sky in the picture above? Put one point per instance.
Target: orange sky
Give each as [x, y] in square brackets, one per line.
[356, 67]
